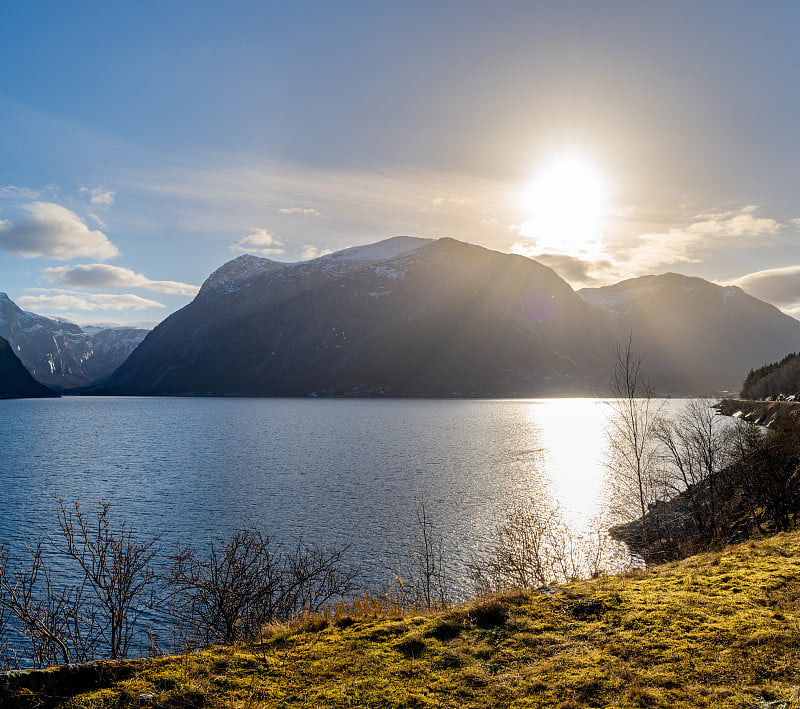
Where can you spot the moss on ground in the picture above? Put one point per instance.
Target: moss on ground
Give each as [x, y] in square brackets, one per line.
[716, 630]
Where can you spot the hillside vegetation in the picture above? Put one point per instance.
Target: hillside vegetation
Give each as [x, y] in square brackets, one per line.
[776, 379]
[721, 629]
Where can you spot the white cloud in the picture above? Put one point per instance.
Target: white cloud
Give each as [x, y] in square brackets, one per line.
[452, 200]
[99, 196]
[260, 242]
[55, 232]
[779, 286]
[653, 250]
[733, 228]
[357, 205]
[734, 224]
[689, 242]
[14, 192]
[305, 211]
[311, 252]
[99, 275]
[65, 301]
[576, 271]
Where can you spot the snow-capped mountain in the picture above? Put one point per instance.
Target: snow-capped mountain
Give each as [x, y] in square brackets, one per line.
[111, 347]
[16, 381]
[229, 277]
[421, 317]
[695, 335]
[381, 250]
[404, 317]
[61, 354]
[234, 274]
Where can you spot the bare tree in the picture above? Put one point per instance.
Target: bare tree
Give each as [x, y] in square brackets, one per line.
[632, 437]
[429, 570]
[697, 447]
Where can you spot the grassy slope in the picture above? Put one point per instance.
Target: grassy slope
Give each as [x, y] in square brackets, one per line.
[719, 630]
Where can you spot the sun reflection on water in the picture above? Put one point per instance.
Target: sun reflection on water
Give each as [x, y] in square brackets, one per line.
[573, 445]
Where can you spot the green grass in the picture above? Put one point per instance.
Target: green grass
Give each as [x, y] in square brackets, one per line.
[717, 630]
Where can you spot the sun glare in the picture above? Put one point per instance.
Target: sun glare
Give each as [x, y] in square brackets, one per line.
[564, 207]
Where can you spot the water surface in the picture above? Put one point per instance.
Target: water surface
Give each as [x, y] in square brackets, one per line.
[338, 472]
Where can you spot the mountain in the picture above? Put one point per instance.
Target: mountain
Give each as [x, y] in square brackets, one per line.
[110, 348]
[695, 336]
[422, 317]
[16, 381]
[61, 354]
[230, 277]
[404, 317]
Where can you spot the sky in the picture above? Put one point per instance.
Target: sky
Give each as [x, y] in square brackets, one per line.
[143, 145]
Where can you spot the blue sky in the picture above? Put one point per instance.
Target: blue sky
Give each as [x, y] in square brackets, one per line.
[142, 145]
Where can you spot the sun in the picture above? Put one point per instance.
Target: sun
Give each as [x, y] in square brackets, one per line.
[564, 206]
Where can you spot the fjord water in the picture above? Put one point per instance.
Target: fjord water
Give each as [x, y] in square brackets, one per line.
[332, 471]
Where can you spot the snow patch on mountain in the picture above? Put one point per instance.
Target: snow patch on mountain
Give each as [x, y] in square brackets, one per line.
[730, 292]
[230, 277]
[616, 297]
[61, 353]
[381, 250]
[387, 272]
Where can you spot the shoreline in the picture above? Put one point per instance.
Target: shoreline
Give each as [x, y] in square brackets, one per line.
[776, 415]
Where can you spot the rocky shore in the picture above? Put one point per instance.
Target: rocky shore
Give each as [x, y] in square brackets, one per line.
[777, 415]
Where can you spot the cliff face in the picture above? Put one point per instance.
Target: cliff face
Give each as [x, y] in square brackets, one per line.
[61, 354]
[16, 381]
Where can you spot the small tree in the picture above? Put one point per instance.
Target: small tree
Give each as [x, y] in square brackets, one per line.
[741, 474]
[767, 472]
[632, 437]
[696, 449]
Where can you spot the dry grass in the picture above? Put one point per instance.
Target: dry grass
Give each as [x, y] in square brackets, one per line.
[716, 630]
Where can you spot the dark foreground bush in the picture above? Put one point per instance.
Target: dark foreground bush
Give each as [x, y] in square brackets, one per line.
[93, 591]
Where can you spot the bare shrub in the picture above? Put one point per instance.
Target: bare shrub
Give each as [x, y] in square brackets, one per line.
[40, 617]
[423, 582]
[98, 614]
[246, 582]
[534, 546]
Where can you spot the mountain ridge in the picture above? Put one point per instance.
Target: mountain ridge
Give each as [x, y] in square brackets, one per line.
[691, 331]
[417, 317]
[59, 353]
[442, 319]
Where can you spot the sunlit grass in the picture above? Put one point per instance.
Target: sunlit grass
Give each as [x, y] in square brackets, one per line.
[716, 630]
